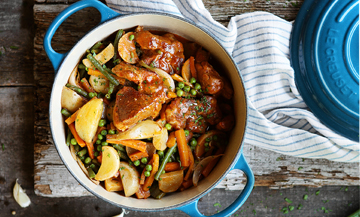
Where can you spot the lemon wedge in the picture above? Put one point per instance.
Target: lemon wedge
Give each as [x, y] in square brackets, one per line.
[110, 163]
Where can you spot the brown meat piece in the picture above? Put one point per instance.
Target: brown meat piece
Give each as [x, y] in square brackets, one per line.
[210, 80]
[202, 56]
[194, 115]
[164, 52]
[132, 105]
[226, 124]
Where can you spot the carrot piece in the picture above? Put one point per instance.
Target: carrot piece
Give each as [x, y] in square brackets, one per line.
[171, 140]
[192, 68]
[138, 155]
[85, 85]
[172, 166]
[192, 164]
[95, 73]
[187, 184]
[182, 147]
[171, 95]
[142, 177]
[141, 194]
[132, 143]
[155, 166]
[99, 158]
[76, 135]
[212, 163]
[90, 147]
[72, 118]
[112, 126]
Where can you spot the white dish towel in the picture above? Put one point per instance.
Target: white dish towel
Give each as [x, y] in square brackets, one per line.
[279, 120]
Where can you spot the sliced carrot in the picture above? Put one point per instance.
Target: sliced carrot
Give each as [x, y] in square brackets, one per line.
[212, 163]
[99, 158]
[171, 140]
[142, 177]
[141, 194]
[172, 166]
[76, 135]
[137, 155]
[182, 147]
[132, 143]
[155, 166]
[112, 126]
[97, 133]
[90, 147]
[192, 68]
[192, 165]
[72, 118]
[187, 184]
[95, 72]
[86, 86]
[171, 95]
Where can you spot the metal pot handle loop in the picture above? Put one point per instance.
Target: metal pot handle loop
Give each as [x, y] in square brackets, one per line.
[55, 57]
[192, 208]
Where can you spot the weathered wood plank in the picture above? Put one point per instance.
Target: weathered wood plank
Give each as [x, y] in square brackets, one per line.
[268, 171]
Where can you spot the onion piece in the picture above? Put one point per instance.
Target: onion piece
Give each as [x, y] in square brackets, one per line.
[74, 78]
[170, 182]
[20, 196]
[169, 82]
[73, 152]
[143, 130]
[160, 140]
[201, 166]
[185, 71]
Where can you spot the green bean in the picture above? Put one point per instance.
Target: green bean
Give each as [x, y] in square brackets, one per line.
[65, 112]
[102, 70]
[116, 42]
[68, 138]
[82, 73]
[123, 155]
[96, 46]
[111, 90]
[164, 162]
[91, 173]
[82, 152]
[119, 147]
[78, 90]
[156, 192]
[77, 148]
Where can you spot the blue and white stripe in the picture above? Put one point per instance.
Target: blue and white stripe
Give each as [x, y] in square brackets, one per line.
[279, 120]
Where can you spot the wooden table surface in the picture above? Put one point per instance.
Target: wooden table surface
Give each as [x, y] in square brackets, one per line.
[25, 85]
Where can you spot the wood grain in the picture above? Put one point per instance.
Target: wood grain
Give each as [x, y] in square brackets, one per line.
[281, 173]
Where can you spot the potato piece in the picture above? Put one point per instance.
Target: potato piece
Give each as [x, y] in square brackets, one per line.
[127, 49]
[99, 84]
[88, 118]
[143, 130]
[71, 100]
[110, 110]
[160, 140]
[170, 182]
[113, 184]
[103, 57]
[110, 163]
[130, 178]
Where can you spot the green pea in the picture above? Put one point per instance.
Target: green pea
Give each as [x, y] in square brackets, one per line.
[137, 163]
[160, 153]
[98, 142]
[193, 92]
[170, 160]
[144, 160]
[163, 172]
[87, 160]
[96, 153]
[77, 148]
[197, 86]
[91, 95]
[168, 126]
[147, 173]
[73, 141]
[148, 167]
[102, 123]
[82, 158]
[104, 143]
[187, 88]
[104, 132]
[92, 166]
[206, 144]
[111, 132]
[193, 142]
[100, 137]
[131, 37]
[82, 152]
[98, 148]
[186, 132]
[192, 80]
[179, 93]
[181, 85]
[208, 139]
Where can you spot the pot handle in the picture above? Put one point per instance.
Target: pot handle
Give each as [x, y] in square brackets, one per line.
[55, 57]
[192, 208]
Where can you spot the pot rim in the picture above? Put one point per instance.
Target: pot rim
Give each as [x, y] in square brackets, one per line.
[239, 150]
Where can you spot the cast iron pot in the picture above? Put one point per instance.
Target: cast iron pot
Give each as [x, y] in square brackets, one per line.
[110, 22]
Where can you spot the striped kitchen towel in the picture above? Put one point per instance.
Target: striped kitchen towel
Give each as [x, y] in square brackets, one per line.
[279, 120]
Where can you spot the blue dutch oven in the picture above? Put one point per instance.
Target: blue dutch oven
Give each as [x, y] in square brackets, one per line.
[111, 22]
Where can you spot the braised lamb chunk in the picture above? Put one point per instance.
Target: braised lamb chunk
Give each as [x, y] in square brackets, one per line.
[164, 52]
[194, 115]
[210, 80]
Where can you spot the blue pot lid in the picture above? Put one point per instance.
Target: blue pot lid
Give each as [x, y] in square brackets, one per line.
[325, 56]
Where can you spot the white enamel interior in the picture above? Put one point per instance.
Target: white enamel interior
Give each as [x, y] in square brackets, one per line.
[155, 22]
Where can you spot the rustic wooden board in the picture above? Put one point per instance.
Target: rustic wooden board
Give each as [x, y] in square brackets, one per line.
[271, 169]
